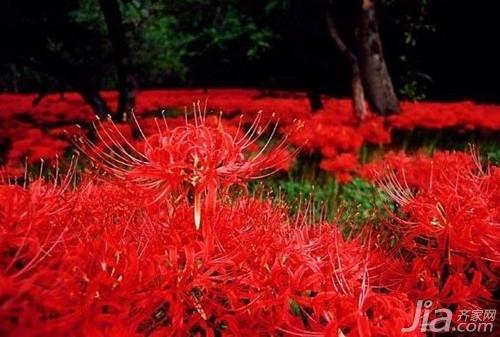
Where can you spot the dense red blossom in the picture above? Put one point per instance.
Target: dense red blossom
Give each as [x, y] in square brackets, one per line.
[331, 131]
[109, 258]
[449, 222]
[105, 260]
[205, 158]
[343, 165]
[120, 253]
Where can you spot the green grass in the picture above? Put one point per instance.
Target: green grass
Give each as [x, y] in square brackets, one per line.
[360, 202]
[351, 205]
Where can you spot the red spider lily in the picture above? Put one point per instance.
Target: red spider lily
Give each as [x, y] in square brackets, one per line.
[36, 145]
[437, 209]
[287, 105]
[121, 257]
[449, 226]
[332, 130]
[342, 166]
[127, 262]
[204, 157]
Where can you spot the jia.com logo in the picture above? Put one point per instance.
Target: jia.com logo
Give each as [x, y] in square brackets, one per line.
[467, 320]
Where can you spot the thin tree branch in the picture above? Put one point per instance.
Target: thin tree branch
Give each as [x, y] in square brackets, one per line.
[357, 91]
[334, 34]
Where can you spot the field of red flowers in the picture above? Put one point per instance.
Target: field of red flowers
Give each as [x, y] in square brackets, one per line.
[156, 229]
[35, 132]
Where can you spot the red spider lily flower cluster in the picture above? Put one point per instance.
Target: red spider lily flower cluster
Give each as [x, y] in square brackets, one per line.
[463, 115]
[27, 142]
[121, 254]
[205, 158]
[332, 131]
[106, 259]
[339, 141]
[449, 224]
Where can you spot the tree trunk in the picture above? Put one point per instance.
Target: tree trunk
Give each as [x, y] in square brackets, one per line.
[95, 100]
[358, 97]
[13, 70]
[315, 102]
[123, 59]
[377, 82]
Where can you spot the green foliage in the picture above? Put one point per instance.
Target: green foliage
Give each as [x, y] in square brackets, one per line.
[183, 41]
[411, 19]
[357, 202]
[414, 85]
[364, 201]
[492, 153]
[494, 157]
[169, 37]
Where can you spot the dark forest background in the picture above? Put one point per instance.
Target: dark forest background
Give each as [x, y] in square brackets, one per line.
[434, 49]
